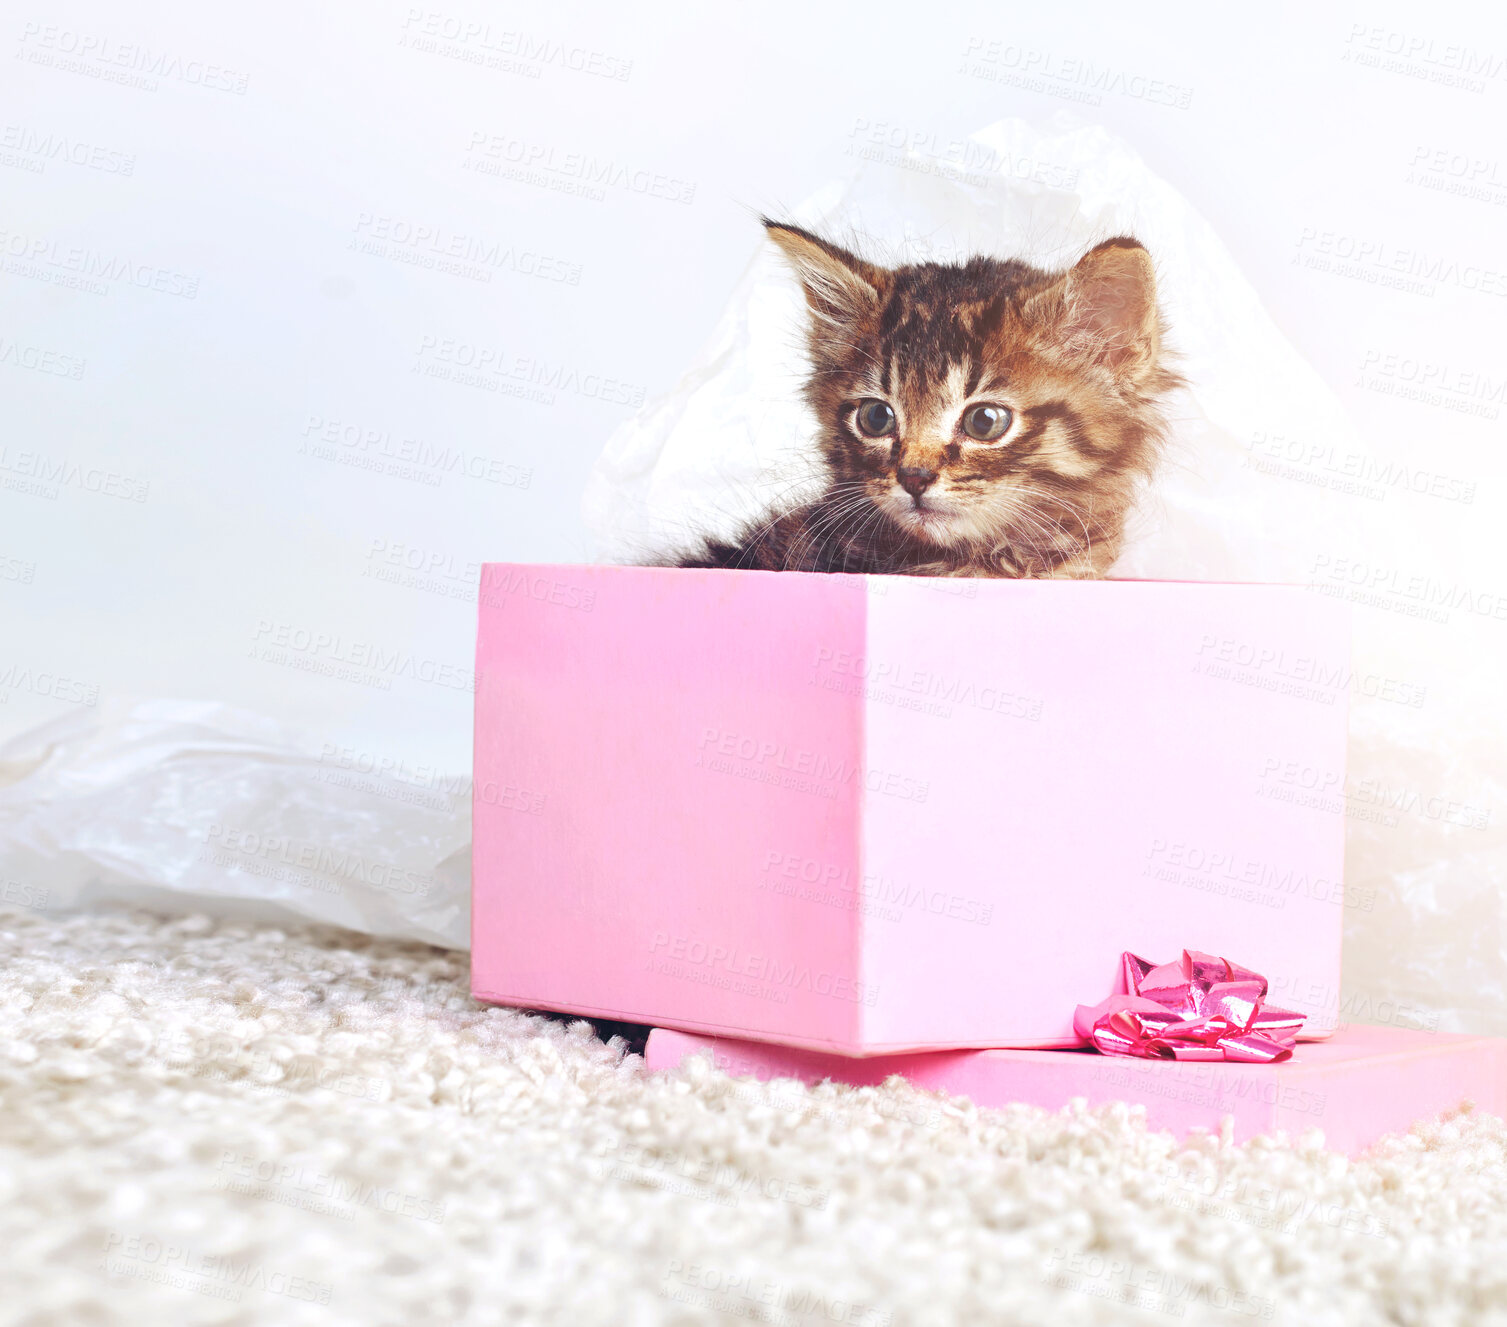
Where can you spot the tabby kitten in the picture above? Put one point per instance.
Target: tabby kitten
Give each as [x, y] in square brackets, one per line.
[984, 418]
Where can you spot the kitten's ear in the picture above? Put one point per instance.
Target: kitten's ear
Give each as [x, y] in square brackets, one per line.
[1109, 307]
[841, 289]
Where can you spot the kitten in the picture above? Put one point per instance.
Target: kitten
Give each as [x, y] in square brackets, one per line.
[984, 418]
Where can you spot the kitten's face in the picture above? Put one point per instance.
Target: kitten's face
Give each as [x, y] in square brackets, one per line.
[986, 404]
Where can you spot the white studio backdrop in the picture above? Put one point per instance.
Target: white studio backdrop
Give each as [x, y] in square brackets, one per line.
[307, 314]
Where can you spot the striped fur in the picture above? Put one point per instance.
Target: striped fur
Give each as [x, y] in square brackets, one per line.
[1077, 358]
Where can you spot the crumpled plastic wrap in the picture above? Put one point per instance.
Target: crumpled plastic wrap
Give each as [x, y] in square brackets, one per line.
[176, 805]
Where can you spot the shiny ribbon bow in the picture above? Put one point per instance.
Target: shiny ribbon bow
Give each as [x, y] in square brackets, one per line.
[1198, 1008]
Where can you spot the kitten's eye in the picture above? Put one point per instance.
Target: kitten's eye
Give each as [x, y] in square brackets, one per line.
[985, 423]
[875, 418]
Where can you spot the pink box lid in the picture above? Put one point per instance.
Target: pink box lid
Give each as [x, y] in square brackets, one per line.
[1362, 1083]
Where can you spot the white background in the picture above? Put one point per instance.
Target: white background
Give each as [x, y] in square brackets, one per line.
[183, 511]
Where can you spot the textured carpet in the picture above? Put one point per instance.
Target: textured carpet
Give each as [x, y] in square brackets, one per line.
[213, 1122]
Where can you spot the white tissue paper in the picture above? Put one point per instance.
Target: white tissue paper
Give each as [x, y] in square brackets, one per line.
[735, 431]
[179, 805]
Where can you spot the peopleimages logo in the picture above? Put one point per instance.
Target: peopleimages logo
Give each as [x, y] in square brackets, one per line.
[381, 450]
[1323, 465]
[41, 359]
[148, 1258]
[302, 855]
[573, 172]
[508, 49]
[784, 977]
[1234, 875]
[803, 878]
[323, 1191]
[1208, 1083]
[326, 651]
[500, 583]
[766, 761]
[49, 475]
[53, 260]
[879, 676]
[1371, 799]
[1414, 594]
[1304, 676]
[45, 682]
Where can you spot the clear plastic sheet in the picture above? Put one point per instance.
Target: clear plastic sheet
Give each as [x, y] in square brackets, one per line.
[176, 805]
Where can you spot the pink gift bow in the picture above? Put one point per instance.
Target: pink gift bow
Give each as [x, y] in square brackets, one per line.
[1199, 1008]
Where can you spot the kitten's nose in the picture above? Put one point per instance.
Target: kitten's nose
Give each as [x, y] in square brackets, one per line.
[915, 479]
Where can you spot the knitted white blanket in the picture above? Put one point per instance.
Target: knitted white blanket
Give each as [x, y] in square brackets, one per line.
[216, 1123]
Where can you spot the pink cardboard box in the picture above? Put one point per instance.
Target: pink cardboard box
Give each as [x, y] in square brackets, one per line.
[871, 814]
[1361, 1084]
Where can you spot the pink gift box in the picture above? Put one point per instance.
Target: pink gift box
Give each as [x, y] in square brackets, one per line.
[871, 814]
[1362, 1083]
